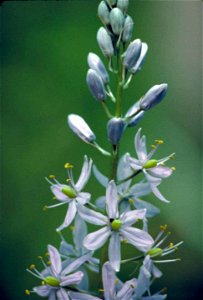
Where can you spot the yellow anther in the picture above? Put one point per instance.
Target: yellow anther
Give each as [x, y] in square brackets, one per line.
[153, 146]
[101, 290]
[52, 176]
[171, 245]
[40, 257]
[124, 241]
[163, 227]
[47, 254]
[45, 208]
[72, 228]
[68, 166]
[49, 263]
[68, 180]
[43, 282]
[27, 292]
[173, 168]
[32, 267]
[116, 281]
[54, 198]
[159, 142]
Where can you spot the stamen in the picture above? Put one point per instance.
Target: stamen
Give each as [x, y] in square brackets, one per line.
[51, 176]
[153, 146]
[34, 274]
[27, 292]
[173, 168]
[166, 261]
[161, 242]
[32, 267]
[101, 290]
[52, 206]
[163, 227]
[68, 166]
[159, 142]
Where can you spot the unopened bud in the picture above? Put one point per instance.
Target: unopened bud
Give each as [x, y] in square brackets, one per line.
[127, 29]
[135, 114]
[123, 5]
[105, 42]
[141, 59]
[111, 2]
[116, 20]
[154, 96]
[103, 12]
[96, 64]
[115, 129]
[132, 54]
[96, 85]
[136, 119]
[81, 129]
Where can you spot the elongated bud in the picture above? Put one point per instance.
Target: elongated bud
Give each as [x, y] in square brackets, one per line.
[154, 96]
[96, 64]
[115, 129]
[96, 85]
[132, 54]
[123, 5]
[127, 29]
[103, 12]
[105, 42]
[81, 129]
[111, 2]
[141, 60]
[136, 119]
[116, 20]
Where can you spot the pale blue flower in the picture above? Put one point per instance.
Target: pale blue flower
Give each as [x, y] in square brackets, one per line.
[154, 170]
[96, 64]
[71, 193]
[115, 227]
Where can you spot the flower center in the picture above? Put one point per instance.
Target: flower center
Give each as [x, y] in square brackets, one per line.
[52, 281]
[155, 252]
[116, 224]
[150, 164]
[68, 191]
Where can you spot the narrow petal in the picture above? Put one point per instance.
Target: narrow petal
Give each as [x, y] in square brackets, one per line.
[79, 233]
[140, 189]
[62, 294]
[85, 174]
[92, 216]
[79, 296]
[140, 146]
[55, 260]
[130, 217]
[115, 251]
[66, 249]
[103, 180]
[74, 265]
[83, 198]
[74, 278]
[43, 290]
[152, 210]
[112, 200]
[139, 238]
[134, 163]
[143, 282]
[156, 272]
[127, 290]
[70, 215]
[96, 239]
[52, 295]
[109, 278]
[124, 171]
[161, 171]
[158, 194]
[101, 202]
[56, 190]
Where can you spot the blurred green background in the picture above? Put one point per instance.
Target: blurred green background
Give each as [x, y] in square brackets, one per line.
[44, 50]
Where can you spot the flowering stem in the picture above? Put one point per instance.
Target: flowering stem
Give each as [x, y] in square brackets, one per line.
[129, 177]
[106, 109]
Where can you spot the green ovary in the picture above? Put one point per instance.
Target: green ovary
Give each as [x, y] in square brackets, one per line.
[52, 281]
[150, 164]
[116, 224]
[68, 191]
[155, 252]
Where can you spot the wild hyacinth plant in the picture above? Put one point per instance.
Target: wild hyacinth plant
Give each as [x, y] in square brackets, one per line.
[117, 212]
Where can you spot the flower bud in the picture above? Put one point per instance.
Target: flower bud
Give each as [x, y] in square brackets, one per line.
[123, 5]
[105, 42]
[141, 59]
[96, 64]
[111, 2]
[153, 96]
[128, 29]
[96, 85]
[132, 54]
[116, 20]
[103, 12]
[136, 119]
[115, 129]
[81, 129]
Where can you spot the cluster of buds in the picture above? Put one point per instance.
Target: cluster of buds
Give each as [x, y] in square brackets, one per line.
[119, 209]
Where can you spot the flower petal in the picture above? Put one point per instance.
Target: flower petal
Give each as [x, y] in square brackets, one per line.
[124, 171]
[52, 295]
[43, 290]
[143, 282]
[62, 294]
[70, 215]
[85, 174]
[140, 189]
[161, 171]
[139, 238]
[96, 239]
[112, 200]
[79, 233]
[56, 190]
[55, 260]
[92, 216]
[140, 146]
[130, 217]
[79, 296]
[101, 202]
[103, 180]
[74, 278]
[158, 194]
[74, 265]
[114, 251]
[127, 290]
[83, 198]
[134, 163]
[109, 278]
[66, 249]
[152, 210]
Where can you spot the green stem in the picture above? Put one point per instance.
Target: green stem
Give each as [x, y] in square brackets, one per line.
[119, 86]
[129, 177]
[106, 109]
